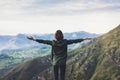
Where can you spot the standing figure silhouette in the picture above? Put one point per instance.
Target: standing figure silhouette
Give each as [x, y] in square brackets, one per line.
[59, 52]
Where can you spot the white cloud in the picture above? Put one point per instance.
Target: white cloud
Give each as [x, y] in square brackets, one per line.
[56, 7]
[13, 7]
[71, 7]
[95, 23]
[36, 16]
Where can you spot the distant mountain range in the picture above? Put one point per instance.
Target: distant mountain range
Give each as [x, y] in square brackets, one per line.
[21, 42]
[18, 49]
[97, 60]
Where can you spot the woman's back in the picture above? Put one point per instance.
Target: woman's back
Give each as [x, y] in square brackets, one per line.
[59, 50]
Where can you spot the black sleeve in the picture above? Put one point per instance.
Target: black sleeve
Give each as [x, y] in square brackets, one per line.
[74, 41]
[48, 42]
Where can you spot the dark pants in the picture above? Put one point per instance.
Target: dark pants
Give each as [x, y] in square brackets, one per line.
[62, 69]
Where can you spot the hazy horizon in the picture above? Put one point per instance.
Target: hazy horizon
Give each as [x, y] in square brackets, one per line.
[47, 16]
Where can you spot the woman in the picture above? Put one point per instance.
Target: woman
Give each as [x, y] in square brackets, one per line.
[59, 52]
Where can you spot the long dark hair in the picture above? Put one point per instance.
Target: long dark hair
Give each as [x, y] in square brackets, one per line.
[58, 35]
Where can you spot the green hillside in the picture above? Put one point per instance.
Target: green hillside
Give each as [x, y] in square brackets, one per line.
[100, 59]
[97, 60]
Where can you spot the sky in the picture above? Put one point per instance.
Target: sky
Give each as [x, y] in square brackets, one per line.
[47, 16]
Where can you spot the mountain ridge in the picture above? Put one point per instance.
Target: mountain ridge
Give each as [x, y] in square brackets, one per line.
[20, 42]
[18, 48]
[97, 60]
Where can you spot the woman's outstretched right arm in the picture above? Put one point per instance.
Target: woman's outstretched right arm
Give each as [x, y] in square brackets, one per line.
[77, 40]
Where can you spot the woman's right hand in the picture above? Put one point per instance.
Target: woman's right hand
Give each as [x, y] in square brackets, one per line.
[30, 38]
[87, 38]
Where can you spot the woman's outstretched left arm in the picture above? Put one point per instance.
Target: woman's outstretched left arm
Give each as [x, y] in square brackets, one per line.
[40, 40]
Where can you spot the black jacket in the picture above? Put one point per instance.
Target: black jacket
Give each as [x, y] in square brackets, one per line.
[59, 49]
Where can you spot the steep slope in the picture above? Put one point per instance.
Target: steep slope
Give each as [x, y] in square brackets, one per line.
[97, 60]
[27, 70]
[100, 59]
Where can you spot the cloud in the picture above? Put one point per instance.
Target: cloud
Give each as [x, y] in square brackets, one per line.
[13, 7]
[74, 7]
[56, 7]
[30, 16]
